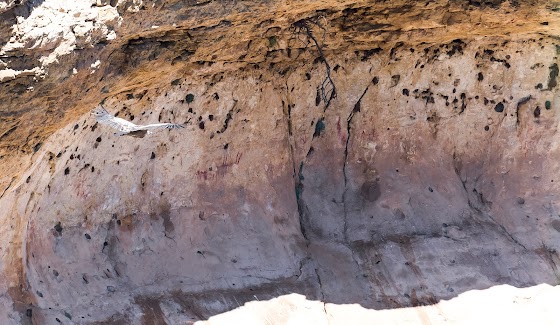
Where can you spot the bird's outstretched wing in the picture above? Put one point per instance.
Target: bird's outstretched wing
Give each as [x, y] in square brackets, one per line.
[159, 126]
[125, 127]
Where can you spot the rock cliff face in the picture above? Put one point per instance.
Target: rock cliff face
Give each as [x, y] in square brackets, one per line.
[342, 160]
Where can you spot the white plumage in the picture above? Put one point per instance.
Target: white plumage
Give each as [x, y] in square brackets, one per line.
[128, 128]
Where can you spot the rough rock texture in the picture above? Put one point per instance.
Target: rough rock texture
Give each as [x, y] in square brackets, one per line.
[432, 173]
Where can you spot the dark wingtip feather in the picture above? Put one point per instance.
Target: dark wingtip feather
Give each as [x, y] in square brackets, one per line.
[103, 108]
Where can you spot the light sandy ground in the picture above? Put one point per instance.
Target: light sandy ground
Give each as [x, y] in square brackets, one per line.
[502, 304]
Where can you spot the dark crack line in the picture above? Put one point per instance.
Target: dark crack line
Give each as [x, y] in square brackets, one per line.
[320, 285]
[503, 229]
[356, 109]
[301, 265]
[298, 188]
[550, 260]
[471, 204]
[354, 258]
[521, 102]
[169, 237]
[8, 187]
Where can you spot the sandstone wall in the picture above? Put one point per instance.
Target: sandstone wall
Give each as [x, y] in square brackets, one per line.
[432, 173]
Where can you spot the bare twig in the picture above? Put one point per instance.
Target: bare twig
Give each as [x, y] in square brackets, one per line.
[304, 27]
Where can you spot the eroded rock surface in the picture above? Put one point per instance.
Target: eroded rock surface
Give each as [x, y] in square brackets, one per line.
[431, 173]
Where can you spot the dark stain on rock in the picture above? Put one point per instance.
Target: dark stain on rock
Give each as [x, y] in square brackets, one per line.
[368, 53]
[395, 80]
[555, 224]
[553, 74]
[279, 221]
[37, 147]
[520, 103]
[399, 214]
[537, 112]
[228, 119]
[126, 222]
[151, 311]
[58, 228]
[499, 107]
[319, 127]
[371, 191]
[165, 213]
[425, 300]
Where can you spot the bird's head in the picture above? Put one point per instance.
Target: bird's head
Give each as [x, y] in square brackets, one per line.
[99, 111]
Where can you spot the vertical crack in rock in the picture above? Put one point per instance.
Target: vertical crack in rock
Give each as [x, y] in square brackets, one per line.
[356, 109]
[302, 209]
[320, 285]
[297, 172]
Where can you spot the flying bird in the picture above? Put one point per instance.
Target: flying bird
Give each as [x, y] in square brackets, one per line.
[128, 128]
